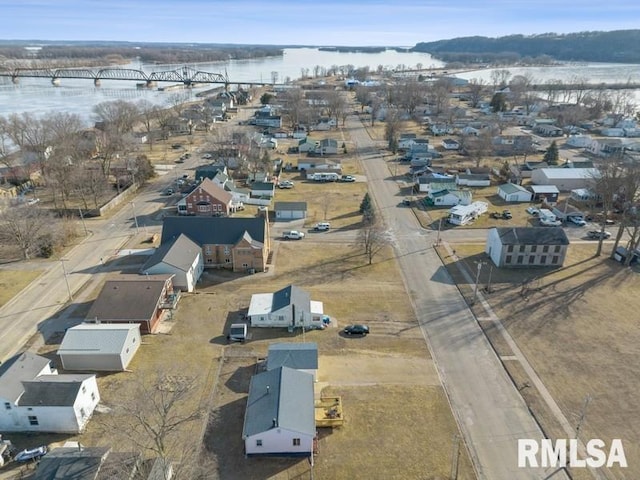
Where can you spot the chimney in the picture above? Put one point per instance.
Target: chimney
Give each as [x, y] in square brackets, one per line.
[275, 423]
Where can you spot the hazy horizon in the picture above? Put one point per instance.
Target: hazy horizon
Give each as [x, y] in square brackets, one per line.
[303, 22]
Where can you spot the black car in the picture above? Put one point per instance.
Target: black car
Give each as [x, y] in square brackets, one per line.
[356, 330]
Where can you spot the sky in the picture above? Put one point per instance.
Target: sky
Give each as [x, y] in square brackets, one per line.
[305, 22]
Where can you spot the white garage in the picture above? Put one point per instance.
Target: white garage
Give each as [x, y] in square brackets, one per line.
[290, 210]
[104, 347]
[510, 192]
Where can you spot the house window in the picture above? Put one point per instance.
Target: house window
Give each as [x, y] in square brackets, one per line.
[557, 249]
[93, 396]
[33, 420]
[520, 259]
[296, 442]
[543, 260]
[207, 250]
[522, 247]
[84, 389]
[7, 405]
[508, 259]
[245, 265]
[555, 259]
[227, 260]
[532, 259]
[83, 413]
[545, 249]
[534, 248]
[258, 443]
[281, 318]
[227, 250]
[510, 248]
[203, 208]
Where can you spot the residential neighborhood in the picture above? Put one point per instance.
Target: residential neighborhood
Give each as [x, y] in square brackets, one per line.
[452, 260]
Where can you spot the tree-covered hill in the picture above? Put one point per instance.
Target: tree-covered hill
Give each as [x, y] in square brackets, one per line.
[619, 46]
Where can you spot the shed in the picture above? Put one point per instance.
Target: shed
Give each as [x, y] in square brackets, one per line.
[511, 192]
[301, 356]
[565, 179]
[545, 193]
[99, 347]
[290, 210]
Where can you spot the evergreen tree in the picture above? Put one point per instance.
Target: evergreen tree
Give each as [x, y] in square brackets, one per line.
[266, 98]
[498, 102]
[551, 155]
[366, 209]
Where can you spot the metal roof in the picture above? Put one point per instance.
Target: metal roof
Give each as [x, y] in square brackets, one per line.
[288, 206]
[180, 253]
[567, 173]
[532, 236]
[509, 188]
[97, 338]
[544, 189]
[301, 356]
[280, 398]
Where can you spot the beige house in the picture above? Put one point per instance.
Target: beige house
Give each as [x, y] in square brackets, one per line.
[524, 247]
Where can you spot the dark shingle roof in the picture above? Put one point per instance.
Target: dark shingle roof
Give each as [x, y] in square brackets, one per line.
[532, 236]
[179, 253]
[13, 372]
[52, 390]
[280, 398]
[213, 230]
[289, 206]
[70, 463]
[134, 298]
[301, 356]
[290, 295]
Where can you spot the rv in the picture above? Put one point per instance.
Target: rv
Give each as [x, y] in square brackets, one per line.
[547, 218]
[463, 214]
[325, 177]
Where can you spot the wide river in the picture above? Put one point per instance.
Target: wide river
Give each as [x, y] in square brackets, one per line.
[38, 96]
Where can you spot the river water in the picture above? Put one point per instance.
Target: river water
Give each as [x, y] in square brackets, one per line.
[38, 96]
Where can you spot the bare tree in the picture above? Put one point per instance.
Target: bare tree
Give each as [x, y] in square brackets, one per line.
[410, 95]
[477, 90]
[373, 238]
[294, 104]
[392, 129]
[32, 135]
[148, 116]
[159, 418]
[336, 104]
[500, 77]
[28, 228]
[479, 147]
[7, 157]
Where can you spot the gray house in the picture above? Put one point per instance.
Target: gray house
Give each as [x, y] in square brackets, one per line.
[290, 307]
[524, 247]
[280, 415]
[99, 347]
[181, 257]
[301, 356]
[290, 210]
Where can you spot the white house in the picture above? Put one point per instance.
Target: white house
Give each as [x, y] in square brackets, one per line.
[435, 182]
[290, 210]
[450, 144]
[579, 141]
[449, 198]
[406, 140]
[280, 414]
[524, 247]
[290, 307]
[37, 399]
[511, 192]
[565, 179]
[301, 356]
[182, 258]
[99, 346]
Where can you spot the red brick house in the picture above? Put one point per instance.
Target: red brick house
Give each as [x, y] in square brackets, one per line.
[208, 199]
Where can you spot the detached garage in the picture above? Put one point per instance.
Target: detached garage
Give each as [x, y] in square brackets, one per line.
[290, 210]
[99, 347]
[510, 192]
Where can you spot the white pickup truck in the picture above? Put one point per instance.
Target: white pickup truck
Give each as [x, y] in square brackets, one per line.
[293, 235]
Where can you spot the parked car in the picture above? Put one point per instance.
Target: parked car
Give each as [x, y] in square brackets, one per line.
[32, 454]
[347, 178]
[207, 156]
[597, 234]
[293, 235]
[285, 184]
[176, 146]
[577, 221]
[533, 211]
[169, 191]
[237, 332]
[356, 330]
[180, 160]
[506, 214]
[322, 227]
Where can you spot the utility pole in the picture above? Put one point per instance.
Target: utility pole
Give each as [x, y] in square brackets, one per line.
[583, 414]
[489, 282]
[135, 218]
[438, 237]
[475, 288]
[66, 278]
[84, 225]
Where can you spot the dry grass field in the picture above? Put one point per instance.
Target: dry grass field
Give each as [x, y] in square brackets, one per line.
[577, 326]
[13, 281]
[402, 395]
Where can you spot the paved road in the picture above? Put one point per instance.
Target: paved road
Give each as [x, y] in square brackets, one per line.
[491, 413]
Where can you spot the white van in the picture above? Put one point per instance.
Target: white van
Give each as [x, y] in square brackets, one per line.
[322, 227]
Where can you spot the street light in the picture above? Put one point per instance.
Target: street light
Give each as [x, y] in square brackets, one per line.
[475, 288]
[135, 218]
[66, 278]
